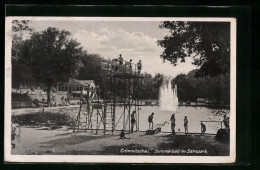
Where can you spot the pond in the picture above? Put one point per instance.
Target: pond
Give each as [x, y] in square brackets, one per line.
[194, 115]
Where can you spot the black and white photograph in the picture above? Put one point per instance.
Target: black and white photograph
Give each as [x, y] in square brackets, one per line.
[120, 90]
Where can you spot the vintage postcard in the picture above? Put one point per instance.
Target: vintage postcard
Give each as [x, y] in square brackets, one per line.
[120, 90]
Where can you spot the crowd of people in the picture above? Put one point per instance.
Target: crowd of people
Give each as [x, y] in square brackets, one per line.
[173, 124]
[117, 63]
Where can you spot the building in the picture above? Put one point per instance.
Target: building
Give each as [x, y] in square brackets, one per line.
[74, 86]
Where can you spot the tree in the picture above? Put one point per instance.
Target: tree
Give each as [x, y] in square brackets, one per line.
[20, 73]
[91, 68]
[52, 56]
[214, 88]
[156, 84]
[146, 87]
[150, 86]
[207, 42]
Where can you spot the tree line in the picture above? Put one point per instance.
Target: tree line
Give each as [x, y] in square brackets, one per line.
[208, 44]
[52, 56]
[215, 89]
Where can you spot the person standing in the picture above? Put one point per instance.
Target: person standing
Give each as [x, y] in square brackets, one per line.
[173, 123]
[133, 121]
[226, 122]
[120, 59]
[186, 125]
[130, 66]
[139, 67]
[203, 127]
[150, 120]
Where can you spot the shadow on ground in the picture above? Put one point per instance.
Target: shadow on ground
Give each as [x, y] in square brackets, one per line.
[198, 142]
[71, 140]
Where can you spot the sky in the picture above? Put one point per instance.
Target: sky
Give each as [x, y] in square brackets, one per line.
[136, 40]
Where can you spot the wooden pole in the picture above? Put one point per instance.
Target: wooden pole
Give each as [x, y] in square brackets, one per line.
[105, 105]
[97, 124]
[124, 104]
[129, 104]
[97, 112]
[138, 103]
[114, 107]
[135, 104]
[79, 115]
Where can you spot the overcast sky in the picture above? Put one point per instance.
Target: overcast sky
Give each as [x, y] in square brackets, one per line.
[136, 40]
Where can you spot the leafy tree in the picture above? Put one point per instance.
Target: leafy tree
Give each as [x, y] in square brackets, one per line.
[146, 87]
[157, 82]
[207, 42]
[20, 73]
[150, 86]
[52, 56]
[91, 68]
[214, 88]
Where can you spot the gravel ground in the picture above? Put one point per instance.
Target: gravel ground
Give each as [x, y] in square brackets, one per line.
[42, 141]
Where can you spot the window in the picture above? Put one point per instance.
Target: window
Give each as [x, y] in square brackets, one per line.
[77, 88]
[81, 88]
[73, 88]
[66, 89]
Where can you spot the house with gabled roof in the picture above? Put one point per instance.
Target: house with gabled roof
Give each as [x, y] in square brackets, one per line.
[77, 86]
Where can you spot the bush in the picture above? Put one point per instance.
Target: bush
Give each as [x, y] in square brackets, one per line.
[223, 135]
[45, 118]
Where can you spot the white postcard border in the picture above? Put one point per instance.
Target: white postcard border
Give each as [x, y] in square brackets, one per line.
[8, 157]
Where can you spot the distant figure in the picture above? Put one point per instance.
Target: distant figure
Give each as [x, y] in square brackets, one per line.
[139, 66]
[54, 101]
[42, 109]
[150, 120]
[114, 65]
[186, 125]
[226, 122]
[158, 127]
[203, 127]
[130, 63]
[122, 134]
[133, 121]
[173, 123]
[13, 133]
[130, 66]
[120, 59]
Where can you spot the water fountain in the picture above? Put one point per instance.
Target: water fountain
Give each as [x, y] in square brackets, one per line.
[168, 97]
